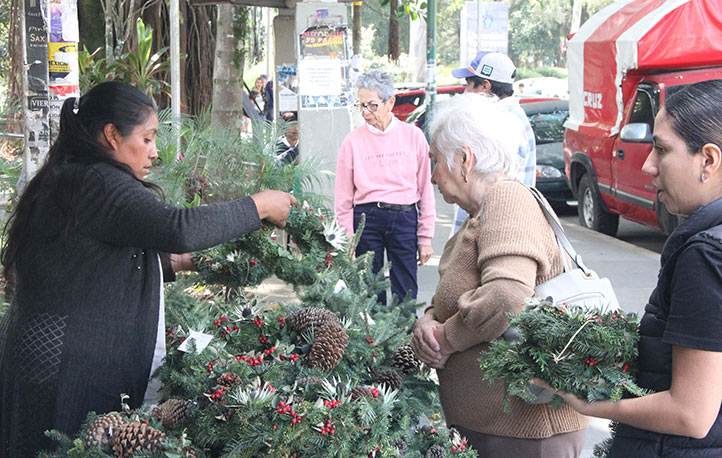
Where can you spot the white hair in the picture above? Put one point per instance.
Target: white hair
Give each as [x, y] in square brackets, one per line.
[488, 128]
[378, 81]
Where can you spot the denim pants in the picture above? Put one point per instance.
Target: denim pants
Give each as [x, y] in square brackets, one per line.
[392, 231]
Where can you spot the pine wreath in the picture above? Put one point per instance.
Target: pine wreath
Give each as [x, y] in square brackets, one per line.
[586, 352]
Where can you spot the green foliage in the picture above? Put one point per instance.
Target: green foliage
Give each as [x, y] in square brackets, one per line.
[93, 70]
[603, 448]
[555, 72]
[141, 68]
[585, 352]
[277, 403]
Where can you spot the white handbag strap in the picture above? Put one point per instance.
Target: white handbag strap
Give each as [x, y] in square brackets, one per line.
[562, 240]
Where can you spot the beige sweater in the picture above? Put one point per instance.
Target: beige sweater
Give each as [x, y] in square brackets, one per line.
[487, 269]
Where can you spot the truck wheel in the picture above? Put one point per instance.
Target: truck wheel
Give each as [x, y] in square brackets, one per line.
[591, 213]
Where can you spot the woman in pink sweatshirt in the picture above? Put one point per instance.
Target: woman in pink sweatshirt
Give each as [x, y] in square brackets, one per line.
[383, 171]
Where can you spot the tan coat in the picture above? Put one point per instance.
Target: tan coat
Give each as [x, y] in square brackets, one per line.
[487, 269]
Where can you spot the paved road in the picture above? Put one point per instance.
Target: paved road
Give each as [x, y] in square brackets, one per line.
[630, 261]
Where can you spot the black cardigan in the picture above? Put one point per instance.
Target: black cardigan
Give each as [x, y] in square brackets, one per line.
[82, 326]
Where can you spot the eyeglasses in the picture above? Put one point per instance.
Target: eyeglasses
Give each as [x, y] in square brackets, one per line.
[371, 106]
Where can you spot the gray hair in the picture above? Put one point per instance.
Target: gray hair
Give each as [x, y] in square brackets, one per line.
[488, 128]
[378, 81]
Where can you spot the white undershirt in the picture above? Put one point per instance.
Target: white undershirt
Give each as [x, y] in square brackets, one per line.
[152, 393]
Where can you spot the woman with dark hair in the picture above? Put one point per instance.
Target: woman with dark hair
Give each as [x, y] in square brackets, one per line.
[680, 350]
[88, 243]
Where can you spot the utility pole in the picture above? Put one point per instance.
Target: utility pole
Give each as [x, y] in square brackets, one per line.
[430, 63]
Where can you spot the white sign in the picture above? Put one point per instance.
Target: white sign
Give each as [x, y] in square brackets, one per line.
[201, 341]
[320, 77]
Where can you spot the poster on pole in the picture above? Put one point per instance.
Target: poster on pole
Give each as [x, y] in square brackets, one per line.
[63, 67]
[287, 88]
[323, 70]
[484, 27]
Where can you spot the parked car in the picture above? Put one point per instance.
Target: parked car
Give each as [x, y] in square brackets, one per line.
[410, 99]
[547, 117]
[547, 121]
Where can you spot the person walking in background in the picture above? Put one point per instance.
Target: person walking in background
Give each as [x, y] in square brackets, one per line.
[259, 96]
[680, 346]
[90, 243]
[492, 74]
[488, 268]
[383, 172]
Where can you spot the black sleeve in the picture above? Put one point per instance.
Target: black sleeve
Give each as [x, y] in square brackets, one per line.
[167, 267]
[695, 315]
[117, 209]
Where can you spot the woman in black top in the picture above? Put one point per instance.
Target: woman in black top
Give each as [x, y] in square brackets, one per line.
[680, 349]
[88, 243]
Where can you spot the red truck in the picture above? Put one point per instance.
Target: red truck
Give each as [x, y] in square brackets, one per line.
[623, 64]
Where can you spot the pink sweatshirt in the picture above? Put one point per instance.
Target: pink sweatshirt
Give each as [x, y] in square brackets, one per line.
[392, 167]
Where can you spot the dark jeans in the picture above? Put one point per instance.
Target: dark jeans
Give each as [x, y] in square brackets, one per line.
[392, 231]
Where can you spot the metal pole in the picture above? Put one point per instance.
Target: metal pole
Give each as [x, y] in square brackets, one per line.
[175, 89]
[430, 63]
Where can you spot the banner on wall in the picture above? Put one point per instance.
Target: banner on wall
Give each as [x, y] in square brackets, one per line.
[323, 69]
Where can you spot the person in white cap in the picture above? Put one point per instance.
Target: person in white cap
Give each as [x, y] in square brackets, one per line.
[493, 73]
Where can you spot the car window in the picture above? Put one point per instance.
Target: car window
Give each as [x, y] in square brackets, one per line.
[548, 127]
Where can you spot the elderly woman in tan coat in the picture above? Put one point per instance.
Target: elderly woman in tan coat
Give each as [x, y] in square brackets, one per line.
[502, 251]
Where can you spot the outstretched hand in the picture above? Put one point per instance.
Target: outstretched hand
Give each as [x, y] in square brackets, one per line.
[274, 206]
[577, 404]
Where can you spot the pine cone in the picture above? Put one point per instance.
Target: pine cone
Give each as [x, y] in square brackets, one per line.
[101, 430]
[229, 379]
[391, 379]
[311, 318]
[360, 391]
[405, 359]
[437, 451]
[310, 381]
[328, 346]
[134, 437]
[402, 446]
[171, 413]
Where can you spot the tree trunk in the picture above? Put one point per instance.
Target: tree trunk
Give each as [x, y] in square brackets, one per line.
[393, 52]
[227, 110]
[200, 24]
[356, 28]
[15, 79]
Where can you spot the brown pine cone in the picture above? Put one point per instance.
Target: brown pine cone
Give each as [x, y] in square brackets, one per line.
[311, 318]
[229, 379]
[360, 391]
[171, 413]
[391, 379]
[310, 381]
[135, 437]
[405, 359]
[436, 451]
[101, 430]
[328, 346]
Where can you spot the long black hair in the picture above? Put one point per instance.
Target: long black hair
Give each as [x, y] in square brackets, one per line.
[79, 141]
[696, 113]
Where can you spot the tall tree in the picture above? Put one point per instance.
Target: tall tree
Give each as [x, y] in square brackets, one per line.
[227, 108]
[393, 51]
